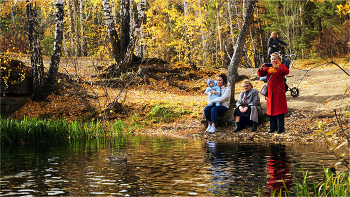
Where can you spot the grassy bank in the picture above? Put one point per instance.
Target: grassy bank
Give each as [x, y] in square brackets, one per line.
[32, 130]
[334, 185]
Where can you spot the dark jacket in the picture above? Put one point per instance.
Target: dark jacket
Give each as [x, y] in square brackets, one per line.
[275, 42]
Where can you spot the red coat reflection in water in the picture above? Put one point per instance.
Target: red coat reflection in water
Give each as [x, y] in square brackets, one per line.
[278, 169]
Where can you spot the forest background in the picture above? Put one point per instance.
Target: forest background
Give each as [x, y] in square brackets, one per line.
[195, 37]
[193, 31]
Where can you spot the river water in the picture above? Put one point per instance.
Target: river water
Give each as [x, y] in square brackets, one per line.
[158, 166]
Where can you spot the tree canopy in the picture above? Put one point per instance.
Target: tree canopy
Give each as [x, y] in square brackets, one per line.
[197, 32]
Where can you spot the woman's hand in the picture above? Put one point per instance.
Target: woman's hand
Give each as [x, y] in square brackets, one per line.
[214, 92]
[275, 66]
[262, 67]
[243, 109]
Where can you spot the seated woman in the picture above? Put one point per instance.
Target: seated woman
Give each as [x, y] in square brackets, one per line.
[211, 112]
[248, 105]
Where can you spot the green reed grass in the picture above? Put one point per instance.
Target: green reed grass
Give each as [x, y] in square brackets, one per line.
[333, 185]
[165, 113]
[30, 130]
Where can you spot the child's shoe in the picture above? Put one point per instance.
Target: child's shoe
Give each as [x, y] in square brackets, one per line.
[209, 127]
[212, 129]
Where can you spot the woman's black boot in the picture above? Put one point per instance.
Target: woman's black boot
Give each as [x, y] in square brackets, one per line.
[273, 124]
[255, 126]
[280, 119]
[238, 127]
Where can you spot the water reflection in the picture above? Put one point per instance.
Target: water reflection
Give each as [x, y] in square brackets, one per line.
[237, 167]
[157, 166]
[278, 169]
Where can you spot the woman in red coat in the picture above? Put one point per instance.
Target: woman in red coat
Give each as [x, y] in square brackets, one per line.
[276, 100]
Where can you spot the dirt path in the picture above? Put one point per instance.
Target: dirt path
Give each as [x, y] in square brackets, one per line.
[318, 90]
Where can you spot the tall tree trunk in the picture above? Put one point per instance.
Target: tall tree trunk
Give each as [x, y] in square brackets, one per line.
[256, 52]
[219, 34]
[141, 7]
[56, 54]
[124, 30]
[238, 53]
[64, 44]
[139, 46]
[203, 40]
[132, 18]
[188, 45]
[70, 21]
[123, 47]
[230, 20]
[112, 33]
[77, 35]
[13, 26]
[133, 40]
[35, 51]
[82, 30]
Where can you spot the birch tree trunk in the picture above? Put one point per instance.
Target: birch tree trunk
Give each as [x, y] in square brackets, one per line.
[219, 34]
[112, 33]
[230, 19]
[123, 47]
[203, 40]
[132, 19]
[82, 30]
[124, 30]
[238, 53]
[69, 19]
[139, 47]
[13, 24]
[64, 45]
[188, 49]
[141, 7]
[35, 51]
[56, 54]
[75, 18]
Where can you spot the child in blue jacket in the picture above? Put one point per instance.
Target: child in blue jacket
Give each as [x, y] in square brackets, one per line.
[210, 91]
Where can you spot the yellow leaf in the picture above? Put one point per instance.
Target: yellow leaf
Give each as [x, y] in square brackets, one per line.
[334, 130]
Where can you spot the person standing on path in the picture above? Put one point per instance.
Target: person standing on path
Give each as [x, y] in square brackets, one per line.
[273, 43]
[276, 100]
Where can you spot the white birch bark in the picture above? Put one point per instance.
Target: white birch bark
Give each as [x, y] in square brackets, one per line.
[64, 45]
[219, 34]
[132, 20]
[203, 40]
[230, 20]
[141, 7]
[69, 19]
[56, 54]
[35, 51]
[82, 30]
[77, 35]
[112, 33]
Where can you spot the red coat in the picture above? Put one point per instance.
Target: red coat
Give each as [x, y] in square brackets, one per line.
[276, 100]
